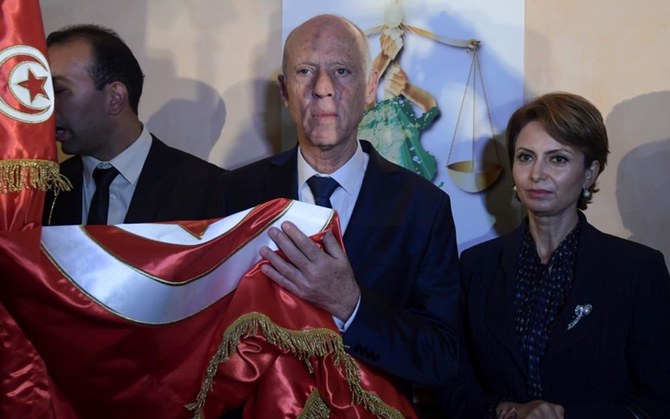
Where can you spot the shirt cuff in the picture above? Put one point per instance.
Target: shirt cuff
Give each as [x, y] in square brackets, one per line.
[343, 326]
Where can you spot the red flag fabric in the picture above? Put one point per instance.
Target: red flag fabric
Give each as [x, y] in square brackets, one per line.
[27, 127]
[124, 336]
[27, 167]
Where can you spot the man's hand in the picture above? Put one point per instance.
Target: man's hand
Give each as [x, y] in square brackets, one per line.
[321, 276]
[536, 409]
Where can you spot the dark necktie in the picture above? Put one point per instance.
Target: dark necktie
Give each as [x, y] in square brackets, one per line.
[97, 212]
[322, 188]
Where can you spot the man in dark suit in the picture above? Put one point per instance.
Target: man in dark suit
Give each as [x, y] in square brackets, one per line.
[394, 293]
[120, 172]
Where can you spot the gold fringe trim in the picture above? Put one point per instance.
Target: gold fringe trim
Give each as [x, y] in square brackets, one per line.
[315, 407]
[303, 344]
[17, 175]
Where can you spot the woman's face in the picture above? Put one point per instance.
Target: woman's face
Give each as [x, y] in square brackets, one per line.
[549, 175]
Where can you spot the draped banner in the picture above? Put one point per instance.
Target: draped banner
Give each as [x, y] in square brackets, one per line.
[176, 321]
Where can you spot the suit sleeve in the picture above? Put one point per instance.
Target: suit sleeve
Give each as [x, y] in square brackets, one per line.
[416, 340]
[462, 396]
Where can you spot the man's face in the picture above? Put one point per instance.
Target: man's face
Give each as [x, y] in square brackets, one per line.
[325, 84]
[82, 123]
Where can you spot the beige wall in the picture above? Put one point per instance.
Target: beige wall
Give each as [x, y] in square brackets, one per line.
[211, 66]
[615, 53]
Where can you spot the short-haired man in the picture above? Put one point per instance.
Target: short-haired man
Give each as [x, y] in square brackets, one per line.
[394, 294]
[120, 172]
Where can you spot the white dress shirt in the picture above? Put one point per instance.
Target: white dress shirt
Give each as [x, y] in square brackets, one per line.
[129, 163]
[350, 177]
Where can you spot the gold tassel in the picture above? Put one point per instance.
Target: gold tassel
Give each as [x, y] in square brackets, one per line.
[303, 344]
[17, 175]
[315, 407]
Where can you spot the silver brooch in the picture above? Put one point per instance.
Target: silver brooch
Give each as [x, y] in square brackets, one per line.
[580, 311]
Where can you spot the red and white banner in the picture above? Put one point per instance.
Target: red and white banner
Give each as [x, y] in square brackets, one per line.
[177, 321]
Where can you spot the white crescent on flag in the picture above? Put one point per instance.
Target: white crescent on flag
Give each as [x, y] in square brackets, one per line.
[29, 94]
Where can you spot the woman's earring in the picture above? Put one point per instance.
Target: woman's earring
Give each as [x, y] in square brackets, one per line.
[586, 193]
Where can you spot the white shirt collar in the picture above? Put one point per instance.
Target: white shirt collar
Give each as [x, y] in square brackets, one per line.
[349, 176]
[129, 162]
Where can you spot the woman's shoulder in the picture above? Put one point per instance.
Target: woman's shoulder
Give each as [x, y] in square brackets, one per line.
[484, 247]
[621, 258]
[494, 245]
[615, 246]
[486, 257]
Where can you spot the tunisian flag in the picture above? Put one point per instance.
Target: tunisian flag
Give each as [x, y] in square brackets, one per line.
[27, 127]
[177, 320]
[171, 320]
[27, 167]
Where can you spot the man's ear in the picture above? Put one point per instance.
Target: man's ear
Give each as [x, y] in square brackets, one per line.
[281, 80]
[116, 95]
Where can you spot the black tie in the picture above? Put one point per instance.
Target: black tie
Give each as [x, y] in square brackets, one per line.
[97, 212]
[322, 188]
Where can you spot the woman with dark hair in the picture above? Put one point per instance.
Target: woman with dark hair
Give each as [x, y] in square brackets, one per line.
[562, 320]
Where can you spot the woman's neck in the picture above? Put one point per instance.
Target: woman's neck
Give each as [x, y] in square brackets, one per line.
[549, 232]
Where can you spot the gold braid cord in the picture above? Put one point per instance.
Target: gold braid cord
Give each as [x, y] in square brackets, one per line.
[303, 344]
[17, 175]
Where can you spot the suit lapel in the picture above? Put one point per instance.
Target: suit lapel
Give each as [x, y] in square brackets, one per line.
[500, 298]
[586, 289]
[370, 205]
[150, 189]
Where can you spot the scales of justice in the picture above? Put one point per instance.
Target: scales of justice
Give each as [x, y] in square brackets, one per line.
[392, 126]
